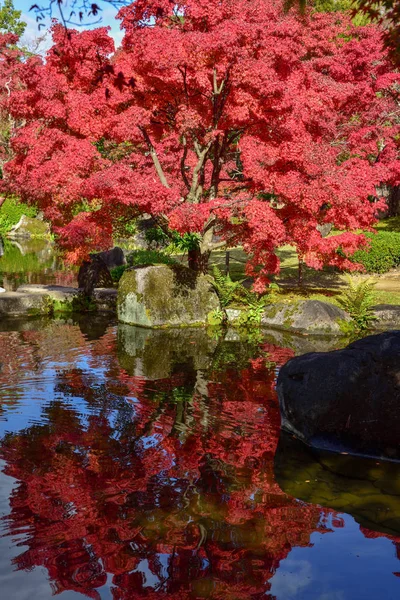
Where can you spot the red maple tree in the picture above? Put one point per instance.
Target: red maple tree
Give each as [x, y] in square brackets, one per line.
[10, 57]
[238, 122]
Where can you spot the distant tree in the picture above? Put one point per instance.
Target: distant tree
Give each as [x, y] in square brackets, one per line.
[10, 19]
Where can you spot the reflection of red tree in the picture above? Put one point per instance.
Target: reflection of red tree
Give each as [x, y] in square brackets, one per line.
[170, 495]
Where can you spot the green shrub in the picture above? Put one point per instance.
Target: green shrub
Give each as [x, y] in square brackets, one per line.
[117, 272]
[149, 257]
[11, 211]
[142, 257]
[383, 253]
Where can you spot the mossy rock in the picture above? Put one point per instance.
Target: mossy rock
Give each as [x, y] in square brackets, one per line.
[165, 296]
[306, 316]
[28, 227]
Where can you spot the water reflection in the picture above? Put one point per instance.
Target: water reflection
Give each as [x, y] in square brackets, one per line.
[142, 466]
[367, 489]
[32, 261]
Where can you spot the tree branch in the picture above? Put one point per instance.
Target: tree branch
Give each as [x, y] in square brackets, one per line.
[196, 190]
[154, 156]
[183, 163]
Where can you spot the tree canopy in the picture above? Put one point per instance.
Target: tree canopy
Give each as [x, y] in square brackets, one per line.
[241, 123]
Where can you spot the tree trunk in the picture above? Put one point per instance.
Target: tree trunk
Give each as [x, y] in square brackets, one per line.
[394, 201]
[198, 261]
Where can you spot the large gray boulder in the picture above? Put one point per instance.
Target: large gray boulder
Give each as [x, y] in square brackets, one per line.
[55, 292]
[165, 296]
[16, 304]
[387, 316]
[346, 400]
[306, 316]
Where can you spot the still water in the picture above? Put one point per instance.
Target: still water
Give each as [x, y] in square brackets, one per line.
[138, 464]
[32, 261]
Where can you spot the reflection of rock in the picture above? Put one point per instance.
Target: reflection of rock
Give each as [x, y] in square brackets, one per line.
[311, 316]
[94, 326]
[28, 227]
[155, 353]
[165, 295]
[348, 399]
[367, 490]
[300, 344]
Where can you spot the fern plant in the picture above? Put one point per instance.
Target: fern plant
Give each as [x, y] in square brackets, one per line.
[228, 291]
[358, 300]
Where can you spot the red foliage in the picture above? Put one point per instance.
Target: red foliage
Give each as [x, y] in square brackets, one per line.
[236, 119]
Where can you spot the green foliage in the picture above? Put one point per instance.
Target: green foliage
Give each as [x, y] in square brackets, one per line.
[11, 211]
[157, 235]
[117, 272]
[383, 253]
[358, 300]
[389, 224]
[86, 206]
[149, 257]
[359, 19]
[185, 242]
[252, 316]
[228, 291]
[10, 19]
[216, 317]
[112, 150]
[78, 304]
[142, 257]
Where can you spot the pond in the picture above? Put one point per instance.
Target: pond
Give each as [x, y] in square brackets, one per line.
[32, 261]
[149, 464]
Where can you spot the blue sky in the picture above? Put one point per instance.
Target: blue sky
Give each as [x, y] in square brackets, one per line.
[108, 18]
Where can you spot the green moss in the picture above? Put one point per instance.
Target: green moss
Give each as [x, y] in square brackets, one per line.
[11, 211]
[289, 313]
[127, 284]
[271, 310]
[346, 327]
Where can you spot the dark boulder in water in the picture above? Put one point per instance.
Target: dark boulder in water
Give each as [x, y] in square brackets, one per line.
[346, 400]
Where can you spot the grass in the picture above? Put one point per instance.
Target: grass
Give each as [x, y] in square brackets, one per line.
[325, 285]
[390, 224]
